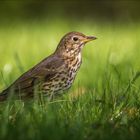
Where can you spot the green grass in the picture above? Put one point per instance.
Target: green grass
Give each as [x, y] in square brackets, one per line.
[105, 98]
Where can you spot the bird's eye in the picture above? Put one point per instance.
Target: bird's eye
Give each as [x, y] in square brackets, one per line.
[75, 38]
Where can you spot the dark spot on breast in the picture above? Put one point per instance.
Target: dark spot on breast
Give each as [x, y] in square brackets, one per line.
[63, 72]
[66, 86]
[66, 82]
[72, 59]
[69, 82]
[49, 76]
[72, 70]
[56, 80]
[63, 79]
[70, 74]
[60, 84]
[69, 69]
[71, 78]
[60, 73]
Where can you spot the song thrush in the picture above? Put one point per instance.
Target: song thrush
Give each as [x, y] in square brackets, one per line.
[54, 74]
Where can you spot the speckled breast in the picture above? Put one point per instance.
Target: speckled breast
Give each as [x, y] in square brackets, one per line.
[63, 79]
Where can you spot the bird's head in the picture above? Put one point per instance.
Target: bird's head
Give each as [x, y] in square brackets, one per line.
[72, 43]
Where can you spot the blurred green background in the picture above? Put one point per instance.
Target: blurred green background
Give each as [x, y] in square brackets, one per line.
[108, 79]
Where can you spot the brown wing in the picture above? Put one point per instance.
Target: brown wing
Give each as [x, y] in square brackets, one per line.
[45, 69]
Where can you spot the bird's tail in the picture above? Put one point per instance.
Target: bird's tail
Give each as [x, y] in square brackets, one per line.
[3, 95]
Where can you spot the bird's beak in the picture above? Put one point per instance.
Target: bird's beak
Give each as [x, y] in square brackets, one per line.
[89, 38]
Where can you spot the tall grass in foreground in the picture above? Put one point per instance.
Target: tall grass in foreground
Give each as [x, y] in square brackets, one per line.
[105, 99]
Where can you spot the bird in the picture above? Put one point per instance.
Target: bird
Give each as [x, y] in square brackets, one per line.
[53, 75]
